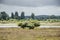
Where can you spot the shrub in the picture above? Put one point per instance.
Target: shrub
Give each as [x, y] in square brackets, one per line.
[23, 25]
[19, 24]
[36, 24]
[31, 24]
[31, 27]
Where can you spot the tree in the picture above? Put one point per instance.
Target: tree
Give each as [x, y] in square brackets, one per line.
[0, 15]
[22, 15]
[4, 16]
[32, 16]
[53, 17]
[12, 15]
[16, 15]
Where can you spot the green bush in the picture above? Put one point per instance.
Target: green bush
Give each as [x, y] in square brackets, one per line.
[37, 24]
[23, 25]
[31, 24]
[19, 24]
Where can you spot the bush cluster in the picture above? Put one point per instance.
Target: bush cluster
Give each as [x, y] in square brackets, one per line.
[31, 24]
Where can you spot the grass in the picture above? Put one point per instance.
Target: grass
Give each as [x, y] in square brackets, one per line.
[43, 23]
[26, 34]
[33, 34]
[49, 23]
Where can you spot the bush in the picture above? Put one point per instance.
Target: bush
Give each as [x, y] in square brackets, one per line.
[36, 24]
[31, 27]
[23, 25]
[31, 24]
[19, 24]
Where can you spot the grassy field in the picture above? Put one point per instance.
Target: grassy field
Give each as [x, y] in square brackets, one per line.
[33, 34]
[50, 24]
[26, 34]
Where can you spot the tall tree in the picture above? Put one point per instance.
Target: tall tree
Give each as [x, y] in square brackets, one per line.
[32, 16]
[16, 15]
[4, 15]
[22, 15]
[0, 15]
[12, 15]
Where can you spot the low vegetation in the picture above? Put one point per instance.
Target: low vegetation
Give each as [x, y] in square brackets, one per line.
[53, 20]
[31, 24]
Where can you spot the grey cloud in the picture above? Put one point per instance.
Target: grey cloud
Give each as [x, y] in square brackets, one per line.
[32, 3]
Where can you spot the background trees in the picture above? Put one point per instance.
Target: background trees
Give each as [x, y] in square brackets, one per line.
[32, 16]
[53, 17]
[4, 16]
[0, 16]
[12, 15]
[16, 15]
[22, 15]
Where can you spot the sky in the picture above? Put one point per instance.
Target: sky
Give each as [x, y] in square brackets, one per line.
[39, 7]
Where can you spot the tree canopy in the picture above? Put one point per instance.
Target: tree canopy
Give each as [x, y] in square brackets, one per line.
[22, 15]
[4, 15]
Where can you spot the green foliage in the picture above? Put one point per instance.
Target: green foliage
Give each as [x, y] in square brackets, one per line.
[52, 16]
[53, 20]
[12, 15]
[24, 25]
[37, 24]
[16, 15]
[31, 24]
[12, 21]
[22, 15]
[32, 16]
[4, 16]
[19, 24]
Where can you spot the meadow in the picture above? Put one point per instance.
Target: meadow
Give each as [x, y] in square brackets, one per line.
[26, 34]
[18, 33]
[48, 22]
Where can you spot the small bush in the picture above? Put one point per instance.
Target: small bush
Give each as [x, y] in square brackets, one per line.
[36, 24]
[31, 24]
[31, 27]
[23, 25]
[19, 24]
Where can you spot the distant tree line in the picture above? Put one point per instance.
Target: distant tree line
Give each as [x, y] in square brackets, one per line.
[5, 16]
[45, 17]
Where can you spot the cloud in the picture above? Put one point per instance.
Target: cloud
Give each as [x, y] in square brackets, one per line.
[45, 10]
[31, 3]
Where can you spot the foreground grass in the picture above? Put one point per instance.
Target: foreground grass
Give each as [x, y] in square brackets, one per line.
[26, 34]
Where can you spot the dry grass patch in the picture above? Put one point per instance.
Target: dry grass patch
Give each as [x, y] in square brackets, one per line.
[26, 34]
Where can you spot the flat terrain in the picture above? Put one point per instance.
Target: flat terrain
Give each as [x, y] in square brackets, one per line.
[43, 25]
[8, 25]
[26, 34]
[50, 23]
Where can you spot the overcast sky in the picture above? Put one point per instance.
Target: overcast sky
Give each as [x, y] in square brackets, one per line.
[31, 3]
[48, 7]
